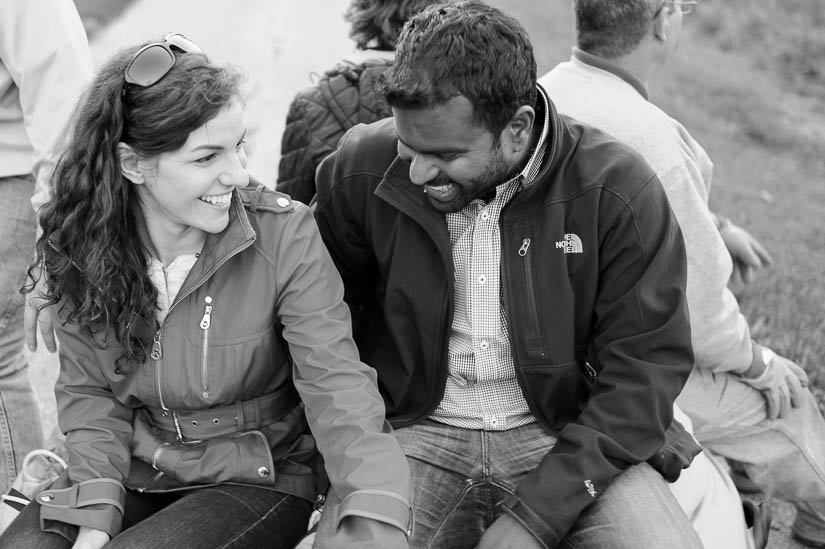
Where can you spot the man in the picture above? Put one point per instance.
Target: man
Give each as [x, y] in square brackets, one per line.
[44, 64]
[746, 402]
[518, 282]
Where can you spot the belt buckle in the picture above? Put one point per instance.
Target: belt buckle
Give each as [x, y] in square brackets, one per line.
[179, 433]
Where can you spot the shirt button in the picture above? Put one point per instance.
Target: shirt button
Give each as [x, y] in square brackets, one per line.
[263, 472]
[484, 345]
[482, 279]
[494, 422]
[484, 216]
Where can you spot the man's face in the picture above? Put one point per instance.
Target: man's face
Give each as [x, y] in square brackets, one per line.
[450, 155]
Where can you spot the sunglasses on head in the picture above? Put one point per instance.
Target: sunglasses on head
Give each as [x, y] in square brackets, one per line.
[153, 61]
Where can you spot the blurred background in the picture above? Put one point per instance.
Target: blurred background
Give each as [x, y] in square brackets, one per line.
[748, 81]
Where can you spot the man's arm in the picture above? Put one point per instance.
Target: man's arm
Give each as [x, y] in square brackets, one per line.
[641, 349]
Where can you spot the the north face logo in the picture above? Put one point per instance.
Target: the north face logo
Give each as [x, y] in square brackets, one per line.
[571, 244]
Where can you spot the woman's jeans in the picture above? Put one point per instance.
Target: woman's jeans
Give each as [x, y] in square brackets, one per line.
[222, 516]
[20, 429]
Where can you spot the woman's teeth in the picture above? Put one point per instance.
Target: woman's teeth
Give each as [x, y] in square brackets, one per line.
[217, 199]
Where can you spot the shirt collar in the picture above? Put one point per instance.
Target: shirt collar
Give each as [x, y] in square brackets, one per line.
[528, 173]
[606, 65]
[534, 163]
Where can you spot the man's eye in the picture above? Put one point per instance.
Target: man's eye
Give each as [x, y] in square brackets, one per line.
[447, 157]
[240, 144]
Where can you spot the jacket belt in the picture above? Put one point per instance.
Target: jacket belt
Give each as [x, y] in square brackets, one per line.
[195, 425]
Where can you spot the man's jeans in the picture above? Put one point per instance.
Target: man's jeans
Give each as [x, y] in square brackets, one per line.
[461, 475]
[20, 429]
[785, 457]
[222, 516]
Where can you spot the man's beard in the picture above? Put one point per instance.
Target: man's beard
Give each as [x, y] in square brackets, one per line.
[497, 172]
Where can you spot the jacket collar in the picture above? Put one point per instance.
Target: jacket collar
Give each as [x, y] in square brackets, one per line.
[218, 248]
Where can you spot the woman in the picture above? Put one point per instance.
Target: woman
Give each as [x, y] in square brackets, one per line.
[191, 308]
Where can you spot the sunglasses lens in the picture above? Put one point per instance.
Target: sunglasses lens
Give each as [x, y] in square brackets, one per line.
[149, 65]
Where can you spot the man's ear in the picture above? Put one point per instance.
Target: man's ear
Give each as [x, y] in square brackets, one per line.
[130, 164]
[519, 130]
[661, 25]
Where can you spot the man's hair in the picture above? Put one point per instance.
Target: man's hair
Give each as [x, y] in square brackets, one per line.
[464, 49]
[376, 23]
[613, 28]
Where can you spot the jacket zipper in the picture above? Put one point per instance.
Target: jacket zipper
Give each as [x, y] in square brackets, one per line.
[529, 288]
[206, 323]
[157, 353]
[591, 371]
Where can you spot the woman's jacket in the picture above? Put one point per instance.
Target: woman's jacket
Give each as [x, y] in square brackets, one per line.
[259, 315]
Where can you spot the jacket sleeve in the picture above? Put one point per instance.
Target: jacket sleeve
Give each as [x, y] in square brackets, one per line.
[342, 228]
[98, 430]
[640, 346]
[366, 467]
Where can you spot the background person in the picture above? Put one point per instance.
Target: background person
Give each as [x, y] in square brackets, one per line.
[44, 64]
[191, 309]
[746, 402]
[517, 281]
[344, 96]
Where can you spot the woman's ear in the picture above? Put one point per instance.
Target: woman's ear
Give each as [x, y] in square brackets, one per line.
[130, 164]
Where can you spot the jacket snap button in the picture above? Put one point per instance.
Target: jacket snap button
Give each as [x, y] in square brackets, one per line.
[282, 202]
[194, 423]
[216, 421]
[47, 497]
[263, 472]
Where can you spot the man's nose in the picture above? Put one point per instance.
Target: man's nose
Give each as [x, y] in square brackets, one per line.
[422, 169]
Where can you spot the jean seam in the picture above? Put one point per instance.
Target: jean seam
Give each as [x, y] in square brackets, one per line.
[262, 518]
[468, 486]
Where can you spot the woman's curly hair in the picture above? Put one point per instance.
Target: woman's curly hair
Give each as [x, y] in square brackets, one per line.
[91, 251]
[377, 23]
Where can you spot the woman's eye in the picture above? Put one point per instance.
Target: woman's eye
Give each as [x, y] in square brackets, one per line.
[206, 159]
[240, 144]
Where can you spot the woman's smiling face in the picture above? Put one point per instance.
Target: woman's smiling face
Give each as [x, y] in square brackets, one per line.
[190, 188]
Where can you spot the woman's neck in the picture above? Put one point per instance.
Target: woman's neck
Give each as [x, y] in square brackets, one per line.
[166, 243]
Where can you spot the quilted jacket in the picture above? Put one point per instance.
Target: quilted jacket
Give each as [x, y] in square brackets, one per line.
[344, 96]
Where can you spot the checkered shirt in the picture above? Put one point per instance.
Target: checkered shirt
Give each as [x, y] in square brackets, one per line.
[482, 391]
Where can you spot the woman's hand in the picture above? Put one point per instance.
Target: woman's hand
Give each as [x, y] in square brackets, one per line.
[88, 538]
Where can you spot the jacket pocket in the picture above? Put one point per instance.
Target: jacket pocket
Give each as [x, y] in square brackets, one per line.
[557, 392]
[244, 457]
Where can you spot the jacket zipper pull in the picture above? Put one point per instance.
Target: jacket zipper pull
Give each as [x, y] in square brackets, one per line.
[591, 371]
[206, 321]
[525, 243]
[156, 352]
